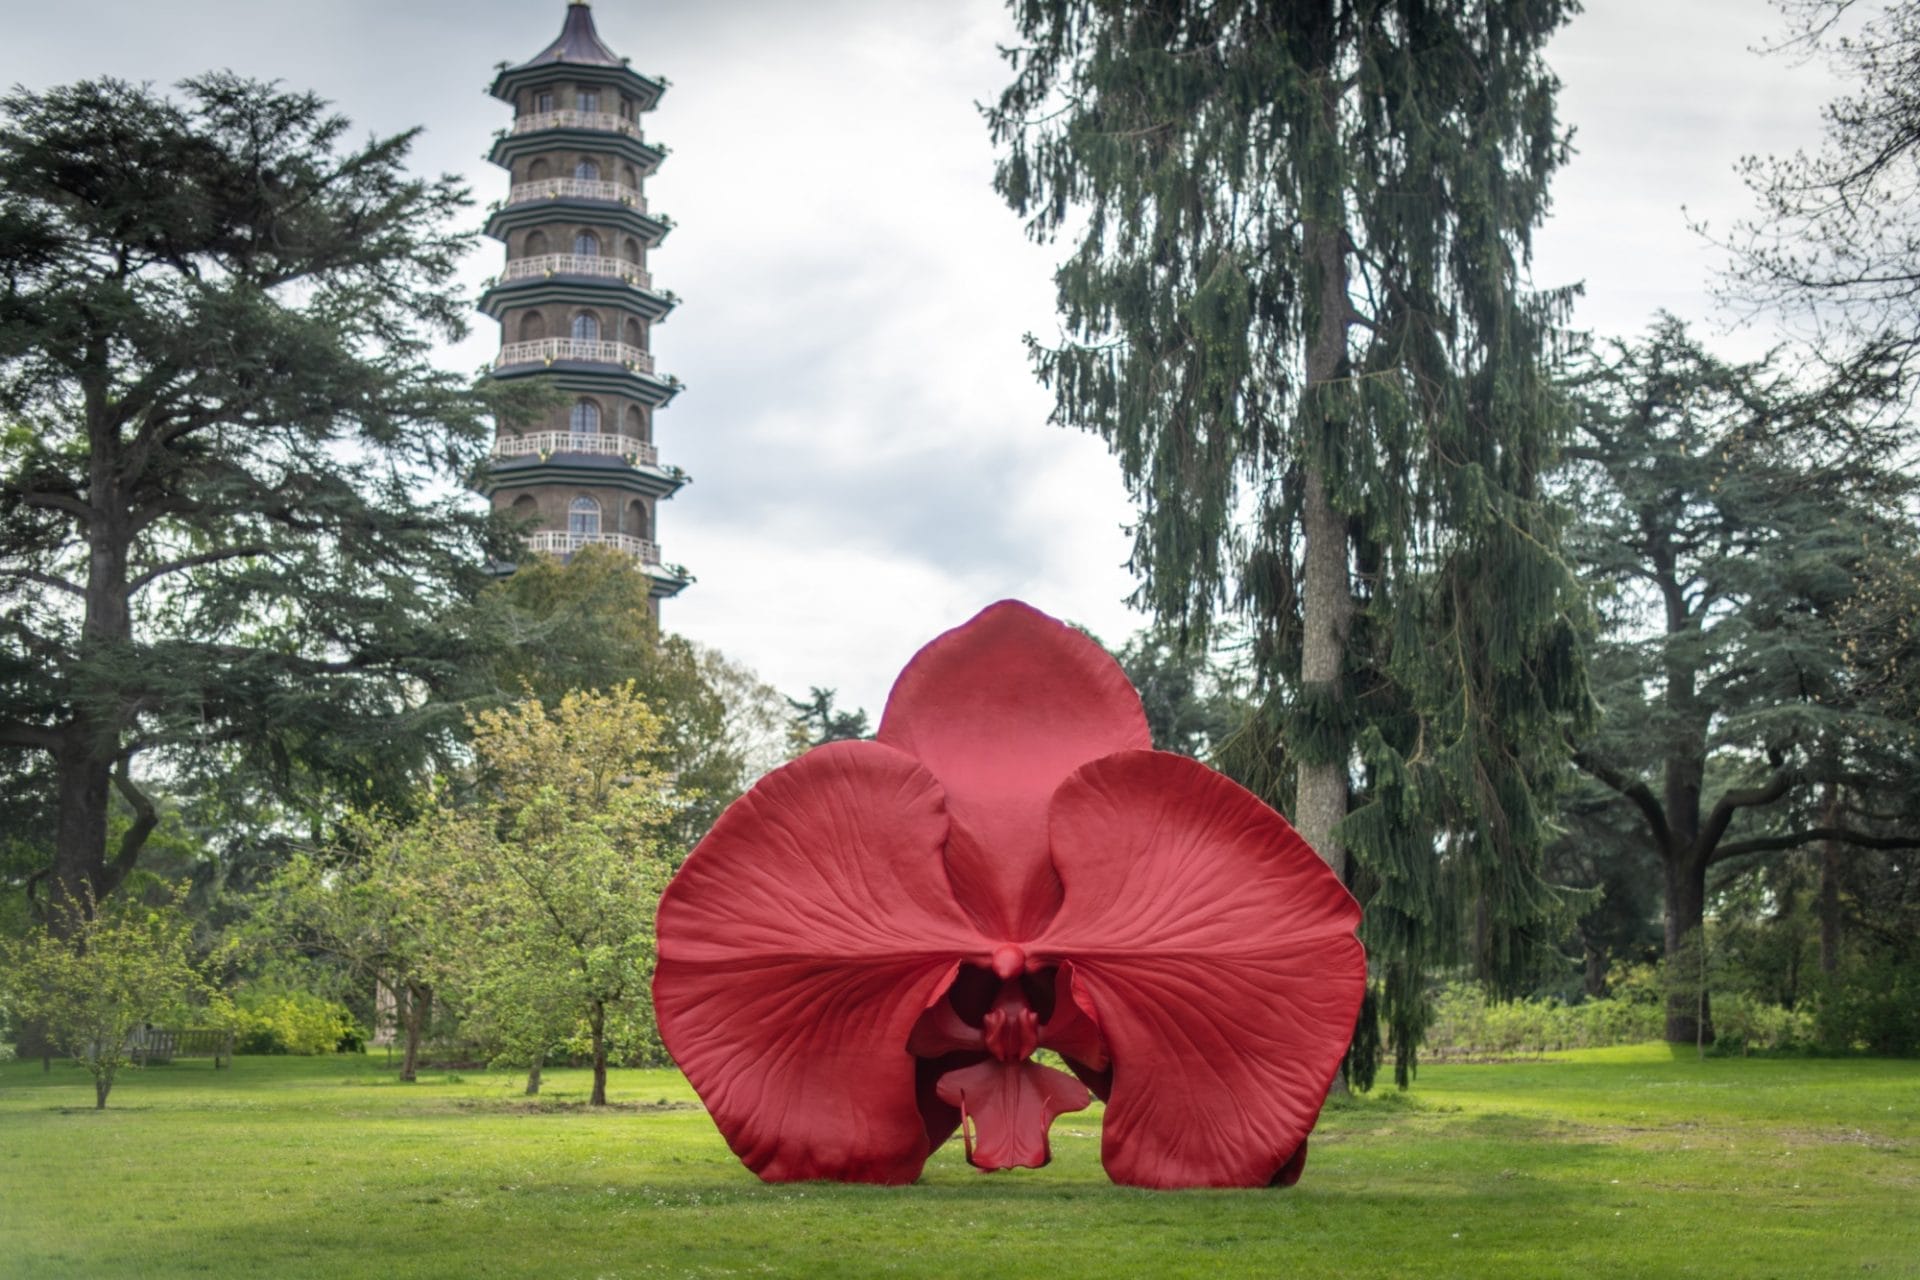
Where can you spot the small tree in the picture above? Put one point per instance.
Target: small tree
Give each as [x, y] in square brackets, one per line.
[374, 905]
[569, 864]
[515, 1006]
[98, 978]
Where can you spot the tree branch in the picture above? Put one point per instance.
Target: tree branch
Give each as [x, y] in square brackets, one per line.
[134, 838]
[1794, 840]
[28, 735]
[45, 580]
[1732, 802]
[191, 562]
[1633, 789]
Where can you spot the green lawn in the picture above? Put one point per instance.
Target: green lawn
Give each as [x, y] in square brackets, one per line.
[1608, 1163]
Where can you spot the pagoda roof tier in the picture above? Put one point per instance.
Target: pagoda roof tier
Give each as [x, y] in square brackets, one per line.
[509, 218]
[665, 580]
[582, 57]
[598, 379]
[580, 290]
[532, 471]
[538, 138]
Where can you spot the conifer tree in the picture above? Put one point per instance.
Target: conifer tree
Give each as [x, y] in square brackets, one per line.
[1297, 312]
[1746, 539]
[227, 536]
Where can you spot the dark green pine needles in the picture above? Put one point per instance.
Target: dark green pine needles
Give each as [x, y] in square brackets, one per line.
[1297, 311]
[229, 531]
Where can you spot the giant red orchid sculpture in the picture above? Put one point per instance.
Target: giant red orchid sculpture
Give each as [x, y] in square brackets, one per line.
[865, 952]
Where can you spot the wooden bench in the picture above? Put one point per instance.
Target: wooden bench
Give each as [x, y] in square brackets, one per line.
[164, 1044]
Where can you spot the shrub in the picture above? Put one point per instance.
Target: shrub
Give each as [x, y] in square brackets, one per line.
[1872, 1004]
[1742, 1023]
[296, 1022]
[1467, 1022]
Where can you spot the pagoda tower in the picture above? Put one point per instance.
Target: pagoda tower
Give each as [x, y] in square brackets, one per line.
[577, 304]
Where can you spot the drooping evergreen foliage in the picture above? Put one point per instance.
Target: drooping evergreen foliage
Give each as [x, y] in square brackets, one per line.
[1297, 312]
[227, 528]
[1745, 539]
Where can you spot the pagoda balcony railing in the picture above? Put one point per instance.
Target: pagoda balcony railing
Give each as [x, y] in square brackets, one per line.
[605, 121]
[577, 189]
[548, 350]
[576, 264]
[564, 542]
[545, 443]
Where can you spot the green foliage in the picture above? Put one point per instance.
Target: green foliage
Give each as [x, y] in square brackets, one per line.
[1871, 1004]
[100, 977]
[224, 523]
[816, 721]
[1296, 312]
[296, 1022]
[1193, 703]
[1745, 538]
[553, 876]
[588, 623]
[1466, 1022]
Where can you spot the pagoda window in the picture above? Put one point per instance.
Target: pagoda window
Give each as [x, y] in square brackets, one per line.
[630, 250]
[524, 509]
[637, 519]
[587, 171]
[536, 243]
[586, 245]
[587, 100]
[586, 327]
[635, 337]
[538, 169]
[533, 327]
[585, 418]
[583, 515]
[628, 176]
[636, 423]
[543, 101]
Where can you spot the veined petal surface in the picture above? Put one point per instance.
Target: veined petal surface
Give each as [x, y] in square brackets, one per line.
[1001, 710]
[798, 946]
[1218, 955]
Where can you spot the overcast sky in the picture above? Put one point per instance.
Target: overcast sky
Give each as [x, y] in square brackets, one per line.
[870, 452]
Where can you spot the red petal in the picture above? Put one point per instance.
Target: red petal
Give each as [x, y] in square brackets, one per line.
[1070, 1032]
[798, 945]
[1002, 709]
[1010, 1106]
[1218, 956]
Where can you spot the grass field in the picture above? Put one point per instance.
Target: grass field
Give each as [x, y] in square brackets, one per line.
[1606, 1163]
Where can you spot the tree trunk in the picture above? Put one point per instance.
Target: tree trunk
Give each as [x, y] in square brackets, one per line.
[1320, 802]
[1689, 1011]
[533, 1076]
[1594, 976]
[599, 1022]
[82, 786]
[83, 761]
[102, 1085]
[419, 999]
[1830, 888]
